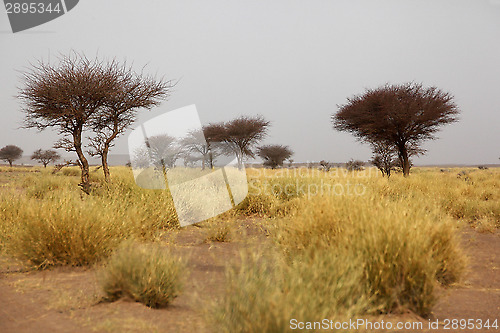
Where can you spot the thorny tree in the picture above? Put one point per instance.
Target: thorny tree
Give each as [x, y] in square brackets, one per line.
[214, 136]
[160, 152]
[401, 116]
[205, 143]
[242, 134]
[274, 155]
[133, 92]
[45, 156]
[79, 93]
[66, 96]
[10, 153]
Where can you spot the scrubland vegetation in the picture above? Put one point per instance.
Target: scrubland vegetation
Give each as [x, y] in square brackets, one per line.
[147, 274]
[338, 244]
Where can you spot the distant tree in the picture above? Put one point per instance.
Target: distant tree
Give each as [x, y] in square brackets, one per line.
[355, 165]
[10, 153]
[402, 116]
[194, 143]
[325, 165]
[214, 136]
[189, 159]
[290, 162]
[242, 134]
[45, 156]
[132, 92]
[274, 155]
[205, 144]
[160, 152]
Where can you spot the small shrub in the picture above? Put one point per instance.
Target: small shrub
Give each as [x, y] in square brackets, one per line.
[146, 274]
[325, 165]
[218, 233]
[355, 165]
[258, 204]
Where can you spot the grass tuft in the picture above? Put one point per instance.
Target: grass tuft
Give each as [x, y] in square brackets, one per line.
[146, 274]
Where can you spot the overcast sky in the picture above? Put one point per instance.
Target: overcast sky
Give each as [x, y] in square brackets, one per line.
[291, 61]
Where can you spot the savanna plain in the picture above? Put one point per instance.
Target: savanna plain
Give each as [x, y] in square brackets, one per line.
[305, 244]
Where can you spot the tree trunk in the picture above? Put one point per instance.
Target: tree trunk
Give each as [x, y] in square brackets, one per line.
[104, 155]
[84, 164]
[104, 162]
[239, 158]
[10, 163]
[405, 160]
[210, 160]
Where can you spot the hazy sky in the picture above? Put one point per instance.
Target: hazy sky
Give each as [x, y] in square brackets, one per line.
[291, 61]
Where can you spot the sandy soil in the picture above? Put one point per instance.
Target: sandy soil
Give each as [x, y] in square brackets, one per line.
[67, 299]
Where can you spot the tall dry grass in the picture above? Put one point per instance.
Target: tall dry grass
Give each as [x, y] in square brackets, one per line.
[395, 242]
[345, 243]
[46, 220]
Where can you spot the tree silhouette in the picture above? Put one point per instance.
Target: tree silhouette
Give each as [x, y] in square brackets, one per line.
[242, 134]
[203, 144]
[45, 156]
[274, 155]
[10, 153]
[400, 116]
[159, 151]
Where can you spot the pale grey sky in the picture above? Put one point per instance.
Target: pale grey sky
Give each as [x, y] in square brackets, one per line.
[290, 61]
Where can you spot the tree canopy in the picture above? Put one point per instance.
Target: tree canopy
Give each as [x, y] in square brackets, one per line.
[10, 153]
[243, 133]
[79, 93]
[45, 156]
[402, 116]
[274, 155]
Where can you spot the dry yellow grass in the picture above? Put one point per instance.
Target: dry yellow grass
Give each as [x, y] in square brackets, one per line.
[338, 236]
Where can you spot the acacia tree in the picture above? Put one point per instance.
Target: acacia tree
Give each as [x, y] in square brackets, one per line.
[160, 152]
[45, 156]
[401, 116]
[132, 92]
[384, 158]
[242, 134]
[198, 143]
[354, 165]
[274, 155]
[10, 153]
[67, 96]
[214, 136]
